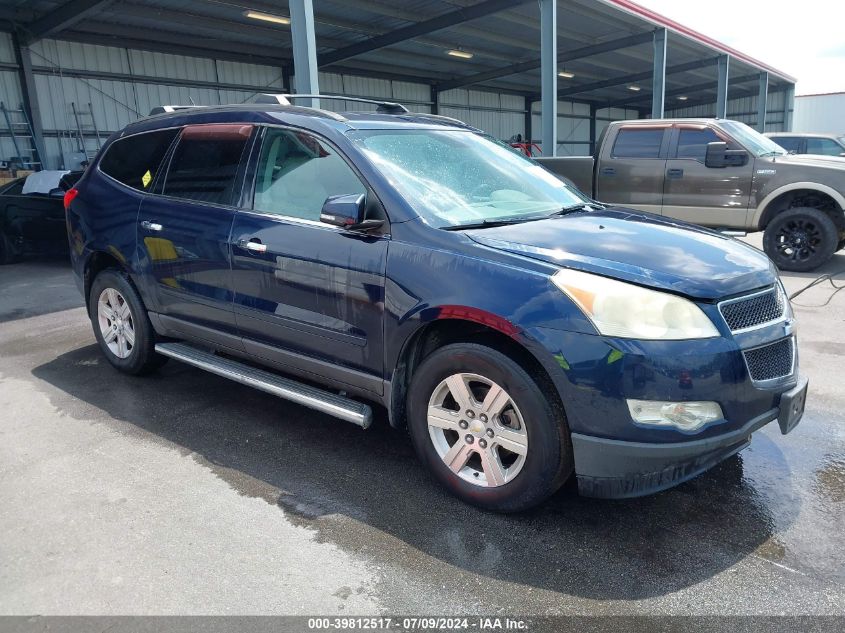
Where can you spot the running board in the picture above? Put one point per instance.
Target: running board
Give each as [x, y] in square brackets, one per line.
[306, 395]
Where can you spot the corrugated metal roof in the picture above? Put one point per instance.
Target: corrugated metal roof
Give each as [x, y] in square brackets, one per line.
[219, 28]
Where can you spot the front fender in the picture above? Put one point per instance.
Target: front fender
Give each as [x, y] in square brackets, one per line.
[424, 285]
[795, 186]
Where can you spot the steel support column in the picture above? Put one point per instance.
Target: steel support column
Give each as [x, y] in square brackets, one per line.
[548, 75]
[30, 99]
[304, 50]
[435, 100]
[722, 66]
[529, 103]
[658, 81]
[593, 112]
[762, 102]
[789, 108]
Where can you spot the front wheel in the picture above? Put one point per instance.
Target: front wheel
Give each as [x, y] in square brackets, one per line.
[8, 254]
[485, 429]
[121, 324]
[800, 239]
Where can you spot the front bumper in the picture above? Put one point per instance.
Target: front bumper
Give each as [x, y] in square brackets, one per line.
[617, 469]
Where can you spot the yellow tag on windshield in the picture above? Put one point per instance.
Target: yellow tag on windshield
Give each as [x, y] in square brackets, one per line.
[146, 178]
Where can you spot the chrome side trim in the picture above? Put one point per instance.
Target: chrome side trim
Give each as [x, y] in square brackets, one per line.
[305, 395]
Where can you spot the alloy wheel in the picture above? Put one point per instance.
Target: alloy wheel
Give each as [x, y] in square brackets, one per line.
[798, 239]
[477, 430]
[116, 322]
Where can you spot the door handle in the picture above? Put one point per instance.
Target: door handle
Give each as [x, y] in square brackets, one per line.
[608, 171]
[675, 173]
[253, 244]
[151, 226]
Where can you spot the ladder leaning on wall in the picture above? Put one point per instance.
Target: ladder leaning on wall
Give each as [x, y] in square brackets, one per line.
[19, 129]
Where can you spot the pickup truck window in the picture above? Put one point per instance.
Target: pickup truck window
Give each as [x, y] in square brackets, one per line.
[824, 146]
[297, 172]
[692, 143]
[638, 143]
[134, 160]
[453, 177]
[789, 143]
[204, 168]
[752, 140]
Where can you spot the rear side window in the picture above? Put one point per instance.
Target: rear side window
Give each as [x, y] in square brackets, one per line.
[692, 143]
[823, 146]
[789, 143]
[634, 143]
[135, 160]
[205, 163]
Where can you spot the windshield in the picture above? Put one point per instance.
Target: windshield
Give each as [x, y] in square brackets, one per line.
[752, 140]
[455, 177]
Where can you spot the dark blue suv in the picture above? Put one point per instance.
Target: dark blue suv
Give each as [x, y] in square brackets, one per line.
[520, 331]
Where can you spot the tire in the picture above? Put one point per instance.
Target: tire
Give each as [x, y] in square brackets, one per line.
[503, 480]
[125, 335]
[800, 239]
[8, 254]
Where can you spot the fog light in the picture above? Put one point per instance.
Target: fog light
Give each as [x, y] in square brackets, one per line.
[684, 416]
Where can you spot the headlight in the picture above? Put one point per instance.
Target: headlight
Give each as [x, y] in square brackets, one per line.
[620, 309]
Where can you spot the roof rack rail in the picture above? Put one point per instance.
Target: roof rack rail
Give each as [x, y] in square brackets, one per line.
[164, 109]
[384, 107]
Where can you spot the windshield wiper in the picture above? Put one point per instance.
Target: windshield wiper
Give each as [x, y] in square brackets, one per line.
[486, 224]
[581, 207]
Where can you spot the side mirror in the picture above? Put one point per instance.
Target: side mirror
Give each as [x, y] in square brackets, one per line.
[347, 211]
[718, 155]
[58, 192]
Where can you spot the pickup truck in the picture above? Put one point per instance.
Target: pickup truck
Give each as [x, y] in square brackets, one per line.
[720, 174]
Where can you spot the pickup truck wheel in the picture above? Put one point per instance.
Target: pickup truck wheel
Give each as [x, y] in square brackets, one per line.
[485, 429]
[121, 325]
[800, 239]
[8, 254]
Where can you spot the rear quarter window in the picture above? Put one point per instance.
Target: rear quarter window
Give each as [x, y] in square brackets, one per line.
[205, 163]
[638, 143]
[135, 160]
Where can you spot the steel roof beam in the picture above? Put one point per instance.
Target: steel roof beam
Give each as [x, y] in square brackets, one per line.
[566, 56]
[420, 28]
[632, 78]
[65, 16]
[707, 85]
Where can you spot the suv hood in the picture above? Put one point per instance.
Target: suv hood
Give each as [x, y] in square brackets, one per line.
[640, 248]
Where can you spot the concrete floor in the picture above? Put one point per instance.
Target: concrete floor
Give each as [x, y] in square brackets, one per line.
[183, 493]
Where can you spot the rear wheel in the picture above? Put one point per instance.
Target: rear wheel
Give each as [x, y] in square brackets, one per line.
[121, 324]
[800, 239]
[485, 429]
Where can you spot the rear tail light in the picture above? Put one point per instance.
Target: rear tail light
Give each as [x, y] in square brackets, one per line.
[69, 196]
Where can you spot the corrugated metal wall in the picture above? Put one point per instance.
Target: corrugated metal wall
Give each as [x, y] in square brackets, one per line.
[10, 91]
[743, 109]
[112, 86]
[820, 113]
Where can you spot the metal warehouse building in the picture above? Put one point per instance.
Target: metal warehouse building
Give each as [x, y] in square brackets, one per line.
[553, 71]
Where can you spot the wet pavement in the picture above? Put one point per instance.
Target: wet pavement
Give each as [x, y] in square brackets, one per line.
[185, 493]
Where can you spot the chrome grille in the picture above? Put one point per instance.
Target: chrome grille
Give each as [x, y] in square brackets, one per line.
[753, 310]
[771, 361]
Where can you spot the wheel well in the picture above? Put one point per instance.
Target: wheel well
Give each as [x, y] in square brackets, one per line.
[443, 332]
[97, 263]
[804, 198]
